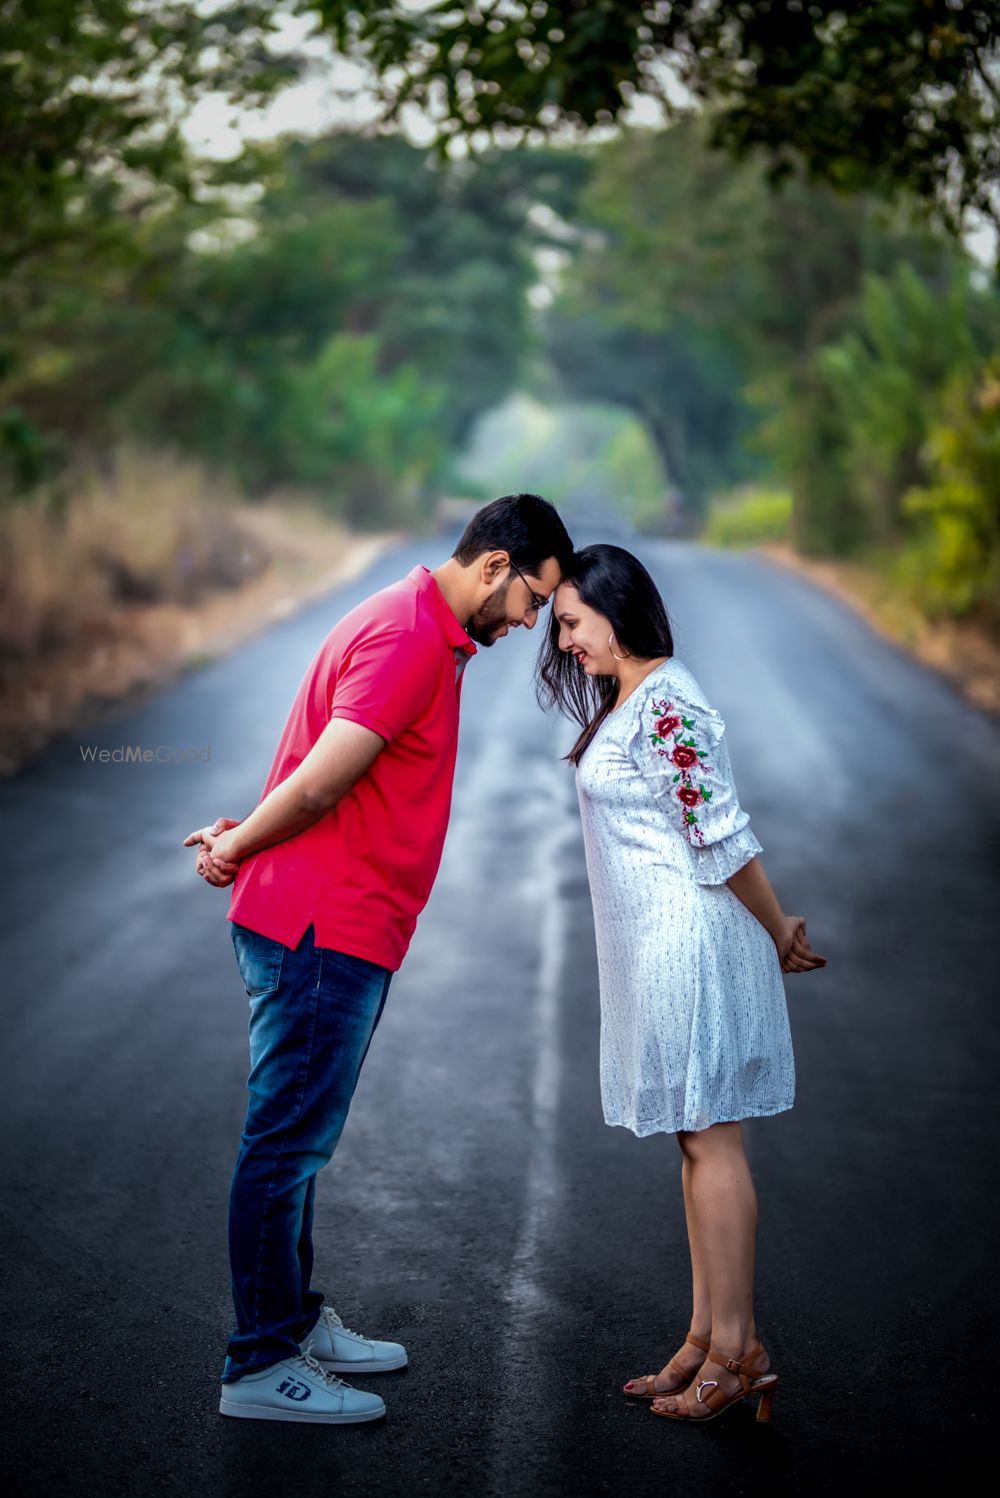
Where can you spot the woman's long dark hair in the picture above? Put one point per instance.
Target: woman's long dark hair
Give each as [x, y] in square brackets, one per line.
[616, 584]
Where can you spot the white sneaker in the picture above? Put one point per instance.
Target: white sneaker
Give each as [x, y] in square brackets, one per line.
[298, 1389]
[337, 1347]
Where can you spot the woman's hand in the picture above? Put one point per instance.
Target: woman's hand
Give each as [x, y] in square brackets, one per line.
[794, 952]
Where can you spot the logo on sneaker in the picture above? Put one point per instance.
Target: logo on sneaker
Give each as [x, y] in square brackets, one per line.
[292, 1389]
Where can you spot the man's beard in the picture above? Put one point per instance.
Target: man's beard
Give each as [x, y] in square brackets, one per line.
[486, 623]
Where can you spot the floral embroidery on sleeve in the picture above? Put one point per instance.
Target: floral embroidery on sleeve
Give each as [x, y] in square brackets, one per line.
[668, 740]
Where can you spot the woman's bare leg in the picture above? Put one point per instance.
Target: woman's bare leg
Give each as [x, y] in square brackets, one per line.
[688, 1358]
[701, 1300]
[723, 1207]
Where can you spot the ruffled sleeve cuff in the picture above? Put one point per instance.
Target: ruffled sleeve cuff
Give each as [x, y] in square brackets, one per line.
[717, 862]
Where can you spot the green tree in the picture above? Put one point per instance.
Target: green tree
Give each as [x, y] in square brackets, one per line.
[361, 237]
[91, 159]
[698, 298]
[886, 377]
[800, 334]
[953, 561]
[239, 348]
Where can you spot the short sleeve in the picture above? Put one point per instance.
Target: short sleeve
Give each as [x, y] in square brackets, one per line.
[386, 681]
[680, 746]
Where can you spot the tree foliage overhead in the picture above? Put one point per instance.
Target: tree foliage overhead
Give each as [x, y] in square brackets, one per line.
[91, 97]
[336, 313]
[884, 94]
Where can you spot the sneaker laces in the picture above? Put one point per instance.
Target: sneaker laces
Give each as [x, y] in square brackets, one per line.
[331, 1314]
[315, 1367]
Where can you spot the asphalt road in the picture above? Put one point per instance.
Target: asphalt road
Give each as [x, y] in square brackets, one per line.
[478, 1208]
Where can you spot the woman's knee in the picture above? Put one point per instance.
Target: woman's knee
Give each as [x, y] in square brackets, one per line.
[717, 1139]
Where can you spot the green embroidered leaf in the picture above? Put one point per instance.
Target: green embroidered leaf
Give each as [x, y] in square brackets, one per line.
[675, 780]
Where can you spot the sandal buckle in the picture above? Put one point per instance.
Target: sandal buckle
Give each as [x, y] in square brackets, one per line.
[734, 1365]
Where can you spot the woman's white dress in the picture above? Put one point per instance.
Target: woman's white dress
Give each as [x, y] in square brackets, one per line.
[694, 1023]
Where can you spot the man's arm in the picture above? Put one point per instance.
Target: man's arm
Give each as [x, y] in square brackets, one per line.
[340, 756]
[343, 753]
[386, 680]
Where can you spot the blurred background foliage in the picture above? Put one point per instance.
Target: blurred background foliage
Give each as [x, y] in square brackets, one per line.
[753, 319]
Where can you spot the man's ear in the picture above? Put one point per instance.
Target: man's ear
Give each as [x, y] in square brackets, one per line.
[491, 565]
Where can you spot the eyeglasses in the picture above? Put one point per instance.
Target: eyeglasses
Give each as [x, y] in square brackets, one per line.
[536, 602]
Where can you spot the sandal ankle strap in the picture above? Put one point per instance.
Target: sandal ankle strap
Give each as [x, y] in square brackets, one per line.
[742, 1366]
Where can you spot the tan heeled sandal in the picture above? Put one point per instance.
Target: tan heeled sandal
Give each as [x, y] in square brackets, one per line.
[645, 1387]
[711, 1396]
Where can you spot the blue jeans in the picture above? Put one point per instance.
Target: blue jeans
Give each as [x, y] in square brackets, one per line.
[313, 1012]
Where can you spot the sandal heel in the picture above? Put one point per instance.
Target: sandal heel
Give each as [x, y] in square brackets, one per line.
[765, 1405]
[717, 1402]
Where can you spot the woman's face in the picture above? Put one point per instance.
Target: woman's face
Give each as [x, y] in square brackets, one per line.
[584, 632]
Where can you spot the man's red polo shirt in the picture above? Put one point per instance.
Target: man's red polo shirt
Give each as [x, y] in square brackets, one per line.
[363, 872]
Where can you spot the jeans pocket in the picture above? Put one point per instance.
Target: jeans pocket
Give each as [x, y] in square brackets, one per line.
[259, 960]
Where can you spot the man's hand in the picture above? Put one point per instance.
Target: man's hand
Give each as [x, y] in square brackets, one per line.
[794, 950]
[214, 870]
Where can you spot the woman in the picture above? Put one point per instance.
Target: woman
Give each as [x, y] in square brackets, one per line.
[691, 945]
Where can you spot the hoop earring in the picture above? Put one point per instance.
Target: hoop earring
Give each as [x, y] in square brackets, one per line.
[613, 650]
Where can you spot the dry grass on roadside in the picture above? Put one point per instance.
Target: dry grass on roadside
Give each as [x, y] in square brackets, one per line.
[152, 530]
[154, 569]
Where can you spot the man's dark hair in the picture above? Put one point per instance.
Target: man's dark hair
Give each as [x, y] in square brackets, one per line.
[525, 526]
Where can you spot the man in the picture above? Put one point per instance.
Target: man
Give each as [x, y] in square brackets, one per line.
[329, 874]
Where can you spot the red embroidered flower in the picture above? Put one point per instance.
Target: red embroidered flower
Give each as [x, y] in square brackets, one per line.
[684, 757]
